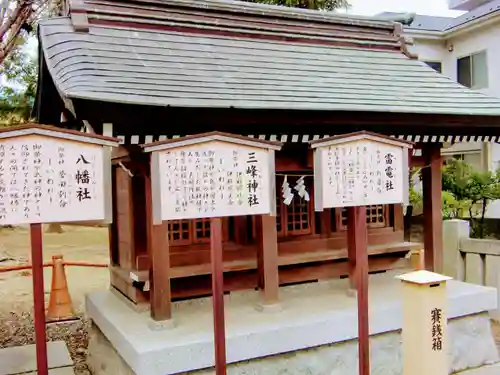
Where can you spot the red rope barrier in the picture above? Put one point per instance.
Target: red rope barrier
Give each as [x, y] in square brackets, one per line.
[66, 263]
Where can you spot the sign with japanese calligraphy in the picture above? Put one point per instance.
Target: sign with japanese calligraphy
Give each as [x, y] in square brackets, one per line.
[212, 175]
[360, 169]
[437, 329]
[47, 179]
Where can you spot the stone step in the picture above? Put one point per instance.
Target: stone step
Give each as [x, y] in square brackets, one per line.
[22, 359]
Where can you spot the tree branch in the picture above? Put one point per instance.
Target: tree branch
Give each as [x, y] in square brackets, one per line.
[14, 28]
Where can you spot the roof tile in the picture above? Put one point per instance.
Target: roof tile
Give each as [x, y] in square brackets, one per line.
[130, 64]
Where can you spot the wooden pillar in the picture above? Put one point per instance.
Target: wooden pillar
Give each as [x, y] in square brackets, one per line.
[38, 298]
[268, 261]
[113, 227]
[398, 218]
[159, 259]
[433, 217]
[218, 295]
[352, 243]
[358, 260]
[326, 222]
[159, 274]
[125, 219]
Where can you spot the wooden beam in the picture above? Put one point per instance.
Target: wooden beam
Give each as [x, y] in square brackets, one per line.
[358, 272]
[433, 217]
[268, 261]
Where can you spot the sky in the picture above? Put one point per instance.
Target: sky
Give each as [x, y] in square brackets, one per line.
[427, 7]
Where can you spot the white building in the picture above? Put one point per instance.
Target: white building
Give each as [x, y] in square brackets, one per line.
[467, 50]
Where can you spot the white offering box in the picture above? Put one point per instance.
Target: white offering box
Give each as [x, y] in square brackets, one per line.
[425, 344]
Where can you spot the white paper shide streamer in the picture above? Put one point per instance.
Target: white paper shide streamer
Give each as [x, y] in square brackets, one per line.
[301, 189]
[287, 192]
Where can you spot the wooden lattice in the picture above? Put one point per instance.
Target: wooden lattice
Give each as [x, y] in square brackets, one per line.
[187, 232]
[179, 232]
[375, 216]
[296, 218]
[201, 230]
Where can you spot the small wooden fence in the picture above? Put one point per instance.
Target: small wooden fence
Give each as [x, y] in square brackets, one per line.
[475, 261]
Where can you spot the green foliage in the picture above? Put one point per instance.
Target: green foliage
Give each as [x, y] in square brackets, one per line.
[468, 191]
[307, 4]
[19, 71]
[415, 196]
[452, 207]
[456, 175]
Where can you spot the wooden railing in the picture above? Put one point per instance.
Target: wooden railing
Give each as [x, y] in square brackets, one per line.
[476, 261]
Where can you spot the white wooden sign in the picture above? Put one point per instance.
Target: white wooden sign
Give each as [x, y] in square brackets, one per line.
[52, 176]
[360, 169]
[212, 175]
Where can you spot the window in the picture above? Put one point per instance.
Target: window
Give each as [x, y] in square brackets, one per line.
[376, 216]
[472, 158]
[188, 232]
[436, 65]
[472, 71]
[294, 219]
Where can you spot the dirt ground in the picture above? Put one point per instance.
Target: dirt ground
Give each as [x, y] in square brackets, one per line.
[75, 244]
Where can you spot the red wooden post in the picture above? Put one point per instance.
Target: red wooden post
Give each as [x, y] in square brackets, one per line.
[433, 217]
[39, 298]
[267, 258]
[218, 295]
[358, 246]
[159, 275]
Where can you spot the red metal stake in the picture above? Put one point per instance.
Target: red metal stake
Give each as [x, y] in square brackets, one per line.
[358, 241]
[39, 299]
[218, 295]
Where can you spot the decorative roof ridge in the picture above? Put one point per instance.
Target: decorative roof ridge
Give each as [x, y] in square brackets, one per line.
[239, 18]
[78, 15]
[267, 10]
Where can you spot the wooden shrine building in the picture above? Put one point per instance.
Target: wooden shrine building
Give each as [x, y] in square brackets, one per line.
[149, 70]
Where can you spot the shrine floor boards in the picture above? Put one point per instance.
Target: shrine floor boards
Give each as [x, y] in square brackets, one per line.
[22, 359]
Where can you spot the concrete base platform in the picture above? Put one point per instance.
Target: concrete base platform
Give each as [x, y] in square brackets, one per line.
[486, 370]
[314, 332]
[22, 359]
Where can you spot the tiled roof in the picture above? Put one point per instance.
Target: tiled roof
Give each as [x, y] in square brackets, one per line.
[314, 65]
[479, 12]
[432, 23]
[422, 22]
